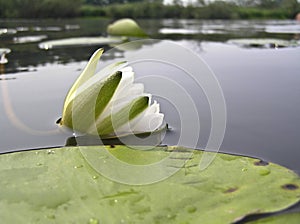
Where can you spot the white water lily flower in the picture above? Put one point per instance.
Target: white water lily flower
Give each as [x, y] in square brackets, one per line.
[109, 103]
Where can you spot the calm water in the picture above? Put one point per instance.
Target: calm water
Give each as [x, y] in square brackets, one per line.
[260, 83]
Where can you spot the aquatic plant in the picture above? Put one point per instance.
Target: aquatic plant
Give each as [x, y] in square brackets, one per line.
[109, 103]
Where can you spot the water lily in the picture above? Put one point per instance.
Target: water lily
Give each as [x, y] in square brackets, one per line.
[109, 103]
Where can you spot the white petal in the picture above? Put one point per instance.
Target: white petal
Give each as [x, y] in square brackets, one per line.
[135, 89]
[154, 108]
[149, 123]
[127, 69]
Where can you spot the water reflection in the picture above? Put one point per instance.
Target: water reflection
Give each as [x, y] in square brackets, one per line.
[23, 36]
[263, 43]
[7, 78]
[30, 105]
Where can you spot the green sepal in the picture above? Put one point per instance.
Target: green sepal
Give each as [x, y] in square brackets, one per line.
[126, 114]
[84, 109]
[87, 73]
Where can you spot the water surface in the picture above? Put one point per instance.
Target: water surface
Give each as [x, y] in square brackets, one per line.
[260, 85]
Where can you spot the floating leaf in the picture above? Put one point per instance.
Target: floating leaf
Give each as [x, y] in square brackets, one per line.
[80, 41]
[178, 31]
[290, 29]
[60, 185]
[7, 31]
[28, 39]
[125, 27]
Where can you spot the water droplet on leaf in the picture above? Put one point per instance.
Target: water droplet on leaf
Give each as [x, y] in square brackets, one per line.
[50, 151]
[244, 169]
[93, 221]
[79, 166]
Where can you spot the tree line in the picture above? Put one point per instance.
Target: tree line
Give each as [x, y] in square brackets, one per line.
[238, 9]
[39, 8]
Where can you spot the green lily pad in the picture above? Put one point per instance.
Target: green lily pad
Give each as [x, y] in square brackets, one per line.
[125, 27]
[290, 218]
[67, 185]
[80, 41]
[29, 39]
[287, 29]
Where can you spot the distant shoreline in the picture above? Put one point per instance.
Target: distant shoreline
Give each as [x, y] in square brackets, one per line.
[146, 10]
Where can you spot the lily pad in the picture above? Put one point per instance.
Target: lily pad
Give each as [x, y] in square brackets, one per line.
[263, 43]
[290, 29]
[125, 27]
[290, 218]
[80, 41]
[64, 185]
[7, 31]
[29, 39]
[178, 31]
